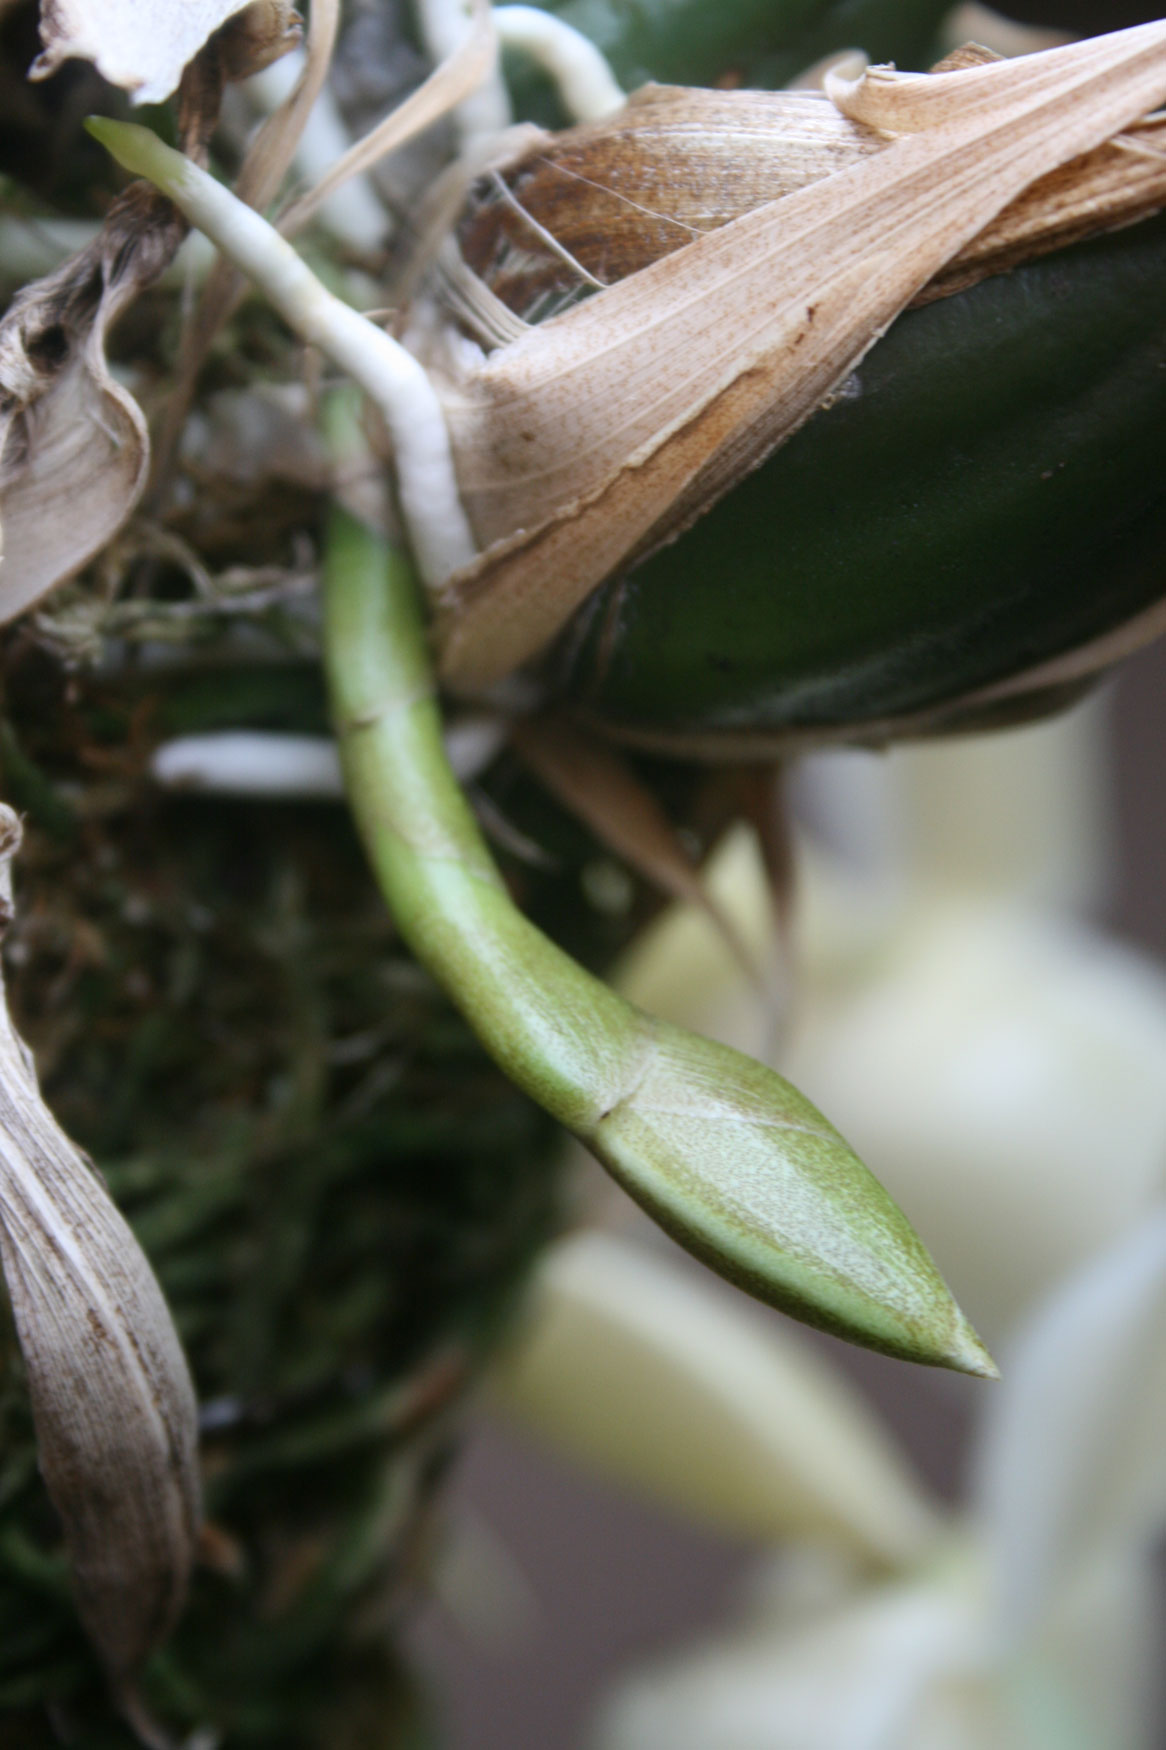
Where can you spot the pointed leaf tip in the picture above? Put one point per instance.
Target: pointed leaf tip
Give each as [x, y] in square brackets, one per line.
[966, 1353]
[746, 1174]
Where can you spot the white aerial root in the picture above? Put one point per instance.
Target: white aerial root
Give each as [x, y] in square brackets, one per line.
[585, 82]
[439, 532]
[587, 87]
[303, 768]
[452, 80]
[241, 762]
[352, 212]
[485, 112]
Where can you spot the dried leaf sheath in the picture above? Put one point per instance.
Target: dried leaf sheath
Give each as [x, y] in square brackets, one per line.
[592, 439]
[74, 449]
[111, 1395]
[677, 163]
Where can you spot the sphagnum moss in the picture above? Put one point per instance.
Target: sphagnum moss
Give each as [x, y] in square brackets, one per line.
[339, 1194]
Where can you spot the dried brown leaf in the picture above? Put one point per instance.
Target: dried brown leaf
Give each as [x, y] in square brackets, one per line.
[597, 203]
[595, 437]
[1119, 183]
[144, 45]
[73, 442]
[111, 1394]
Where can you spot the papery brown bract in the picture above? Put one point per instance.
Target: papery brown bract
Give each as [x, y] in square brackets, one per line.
[582, 209]
[585, 443]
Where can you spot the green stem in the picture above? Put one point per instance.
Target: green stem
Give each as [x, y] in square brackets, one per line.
[729, 1158]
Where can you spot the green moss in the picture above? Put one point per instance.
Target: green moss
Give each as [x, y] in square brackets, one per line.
[340, 1196]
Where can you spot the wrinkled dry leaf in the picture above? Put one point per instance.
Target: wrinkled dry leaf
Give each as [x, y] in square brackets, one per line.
[594, 438]
[144, 45]
[73, 442]
[111, 1394]
[1119, 183]
[595, 204]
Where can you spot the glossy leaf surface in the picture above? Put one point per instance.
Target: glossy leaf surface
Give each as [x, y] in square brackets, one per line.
[988, 497]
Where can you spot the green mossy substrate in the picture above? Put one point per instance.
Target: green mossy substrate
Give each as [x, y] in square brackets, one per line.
[340, 1194]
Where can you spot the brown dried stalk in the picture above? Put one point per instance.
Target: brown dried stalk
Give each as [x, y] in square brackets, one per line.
[111, 1395]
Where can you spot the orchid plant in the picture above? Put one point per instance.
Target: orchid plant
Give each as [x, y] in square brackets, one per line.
[503, 477]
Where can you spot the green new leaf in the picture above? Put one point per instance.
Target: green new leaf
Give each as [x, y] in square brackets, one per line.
[727, 1156]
